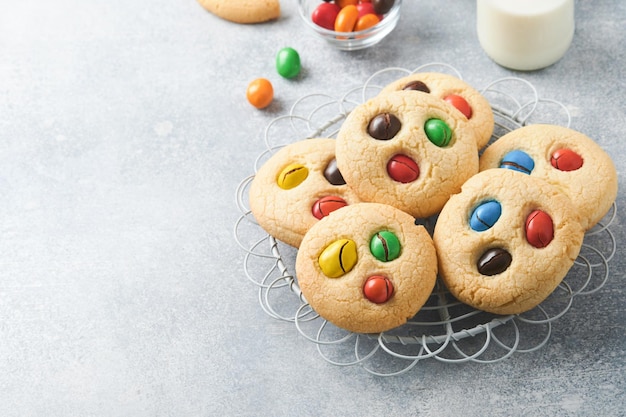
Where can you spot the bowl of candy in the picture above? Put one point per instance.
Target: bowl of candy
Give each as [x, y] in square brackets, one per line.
[350, 25]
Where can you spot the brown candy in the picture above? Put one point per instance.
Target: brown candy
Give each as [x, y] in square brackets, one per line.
[494, 261]
[384, 126]
[332, 174]
[417, 85]
[382, 6]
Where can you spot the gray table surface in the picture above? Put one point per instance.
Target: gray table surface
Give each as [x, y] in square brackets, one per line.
[124, 133]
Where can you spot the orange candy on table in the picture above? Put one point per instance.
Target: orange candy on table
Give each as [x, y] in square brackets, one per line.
[260, 93]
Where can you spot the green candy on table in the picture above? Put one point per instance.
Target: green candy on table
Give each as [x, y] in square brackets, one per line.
[288, 62]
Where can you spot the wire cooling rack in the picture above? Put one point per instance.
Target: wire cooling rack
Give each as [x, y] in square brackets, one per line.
[444, 329]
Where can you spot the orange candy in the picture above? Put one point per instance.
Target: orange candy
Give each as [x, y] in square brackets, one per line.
[260, 93]
[344, 3]
[366, 22]
[346, 19]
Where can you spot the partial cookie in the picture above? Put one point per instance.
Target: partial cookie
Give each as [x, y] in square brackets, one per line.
[367, 268]
[506, 241]
[243, 11]
[407, 150]
[565, 158]
[466, 99]
[296, 187]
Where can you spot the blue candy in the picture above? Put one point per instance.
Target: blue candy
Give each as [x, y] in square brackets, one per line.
[518, 161]
[485, 216]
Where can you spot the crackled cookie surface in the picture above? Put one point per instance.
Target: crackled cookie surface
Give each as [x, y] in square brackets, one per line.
[296, 187]
[565, 158]
[456, 92]
[367, 268]
[506, 241]
[407, 150]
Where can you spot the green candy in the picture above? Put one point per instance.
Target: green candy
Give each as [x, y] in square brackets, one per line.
[385, 246]
[288, 62]
[438, 132]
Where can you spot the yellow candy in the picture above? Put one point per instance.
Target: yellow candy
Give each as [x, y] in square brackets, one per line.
[338, 258]
[291, 176]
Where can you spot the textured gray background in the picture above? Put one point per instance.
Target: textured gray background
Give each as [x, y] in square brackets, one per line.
[124, 132]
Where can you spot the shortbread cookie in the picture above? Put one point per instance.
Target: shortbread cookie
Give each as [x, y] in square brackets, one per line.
[367, 268]
[565, 158]
[407, 150]
[506, 241]
[296, 187]
[465, 98]
[243, 11]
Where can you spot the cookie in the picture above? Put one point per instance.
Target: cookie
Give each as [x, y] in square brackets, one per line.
[243, 11]
[506, 241]
[565, 158]
[367, 268]
[296, 187]
[462, 96]
[408, 150]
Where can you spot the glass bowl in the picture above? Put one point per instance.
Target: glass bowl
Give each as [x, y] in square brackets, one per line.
[351, 41]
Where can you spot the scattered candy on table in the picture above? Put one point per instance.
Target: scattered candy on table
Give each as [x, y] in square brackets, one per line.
[288, 62]
[350, 15]
[260, 93]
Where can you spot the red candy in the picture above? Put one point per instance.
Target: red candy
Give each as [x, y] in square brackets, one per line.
[326, 205]
[367, 8]
[539, 229]
[378, 289]
[460, 104]
[566, 160]
[403, 169]
[325, 15]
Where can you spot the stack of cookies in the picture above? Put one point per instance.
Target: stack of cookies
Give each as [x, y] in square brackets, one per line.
[508, 224]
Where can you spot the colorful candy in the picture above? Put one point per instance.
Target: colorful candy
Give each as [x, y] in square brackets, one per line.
[378, 289]
[438, 132]
[384, 126]
[460, 104]
[385, 246]
[326, 205]
[366, 8]
[346, 19]
[344, 3]
[539, 229]
[288, 62]
[518, 161]
[566, 160]
[417, 86]
[260, 93]
[382, 6]
[332, 173]
[365, 22]
[494, 261]
[291, 176]
[485, 216]
[338, 258]
[325, 15]
[403, 169]
[350, 15]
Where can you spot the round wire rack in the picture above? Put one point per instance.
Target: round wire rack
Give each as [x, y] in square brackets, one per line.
[444, 329]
